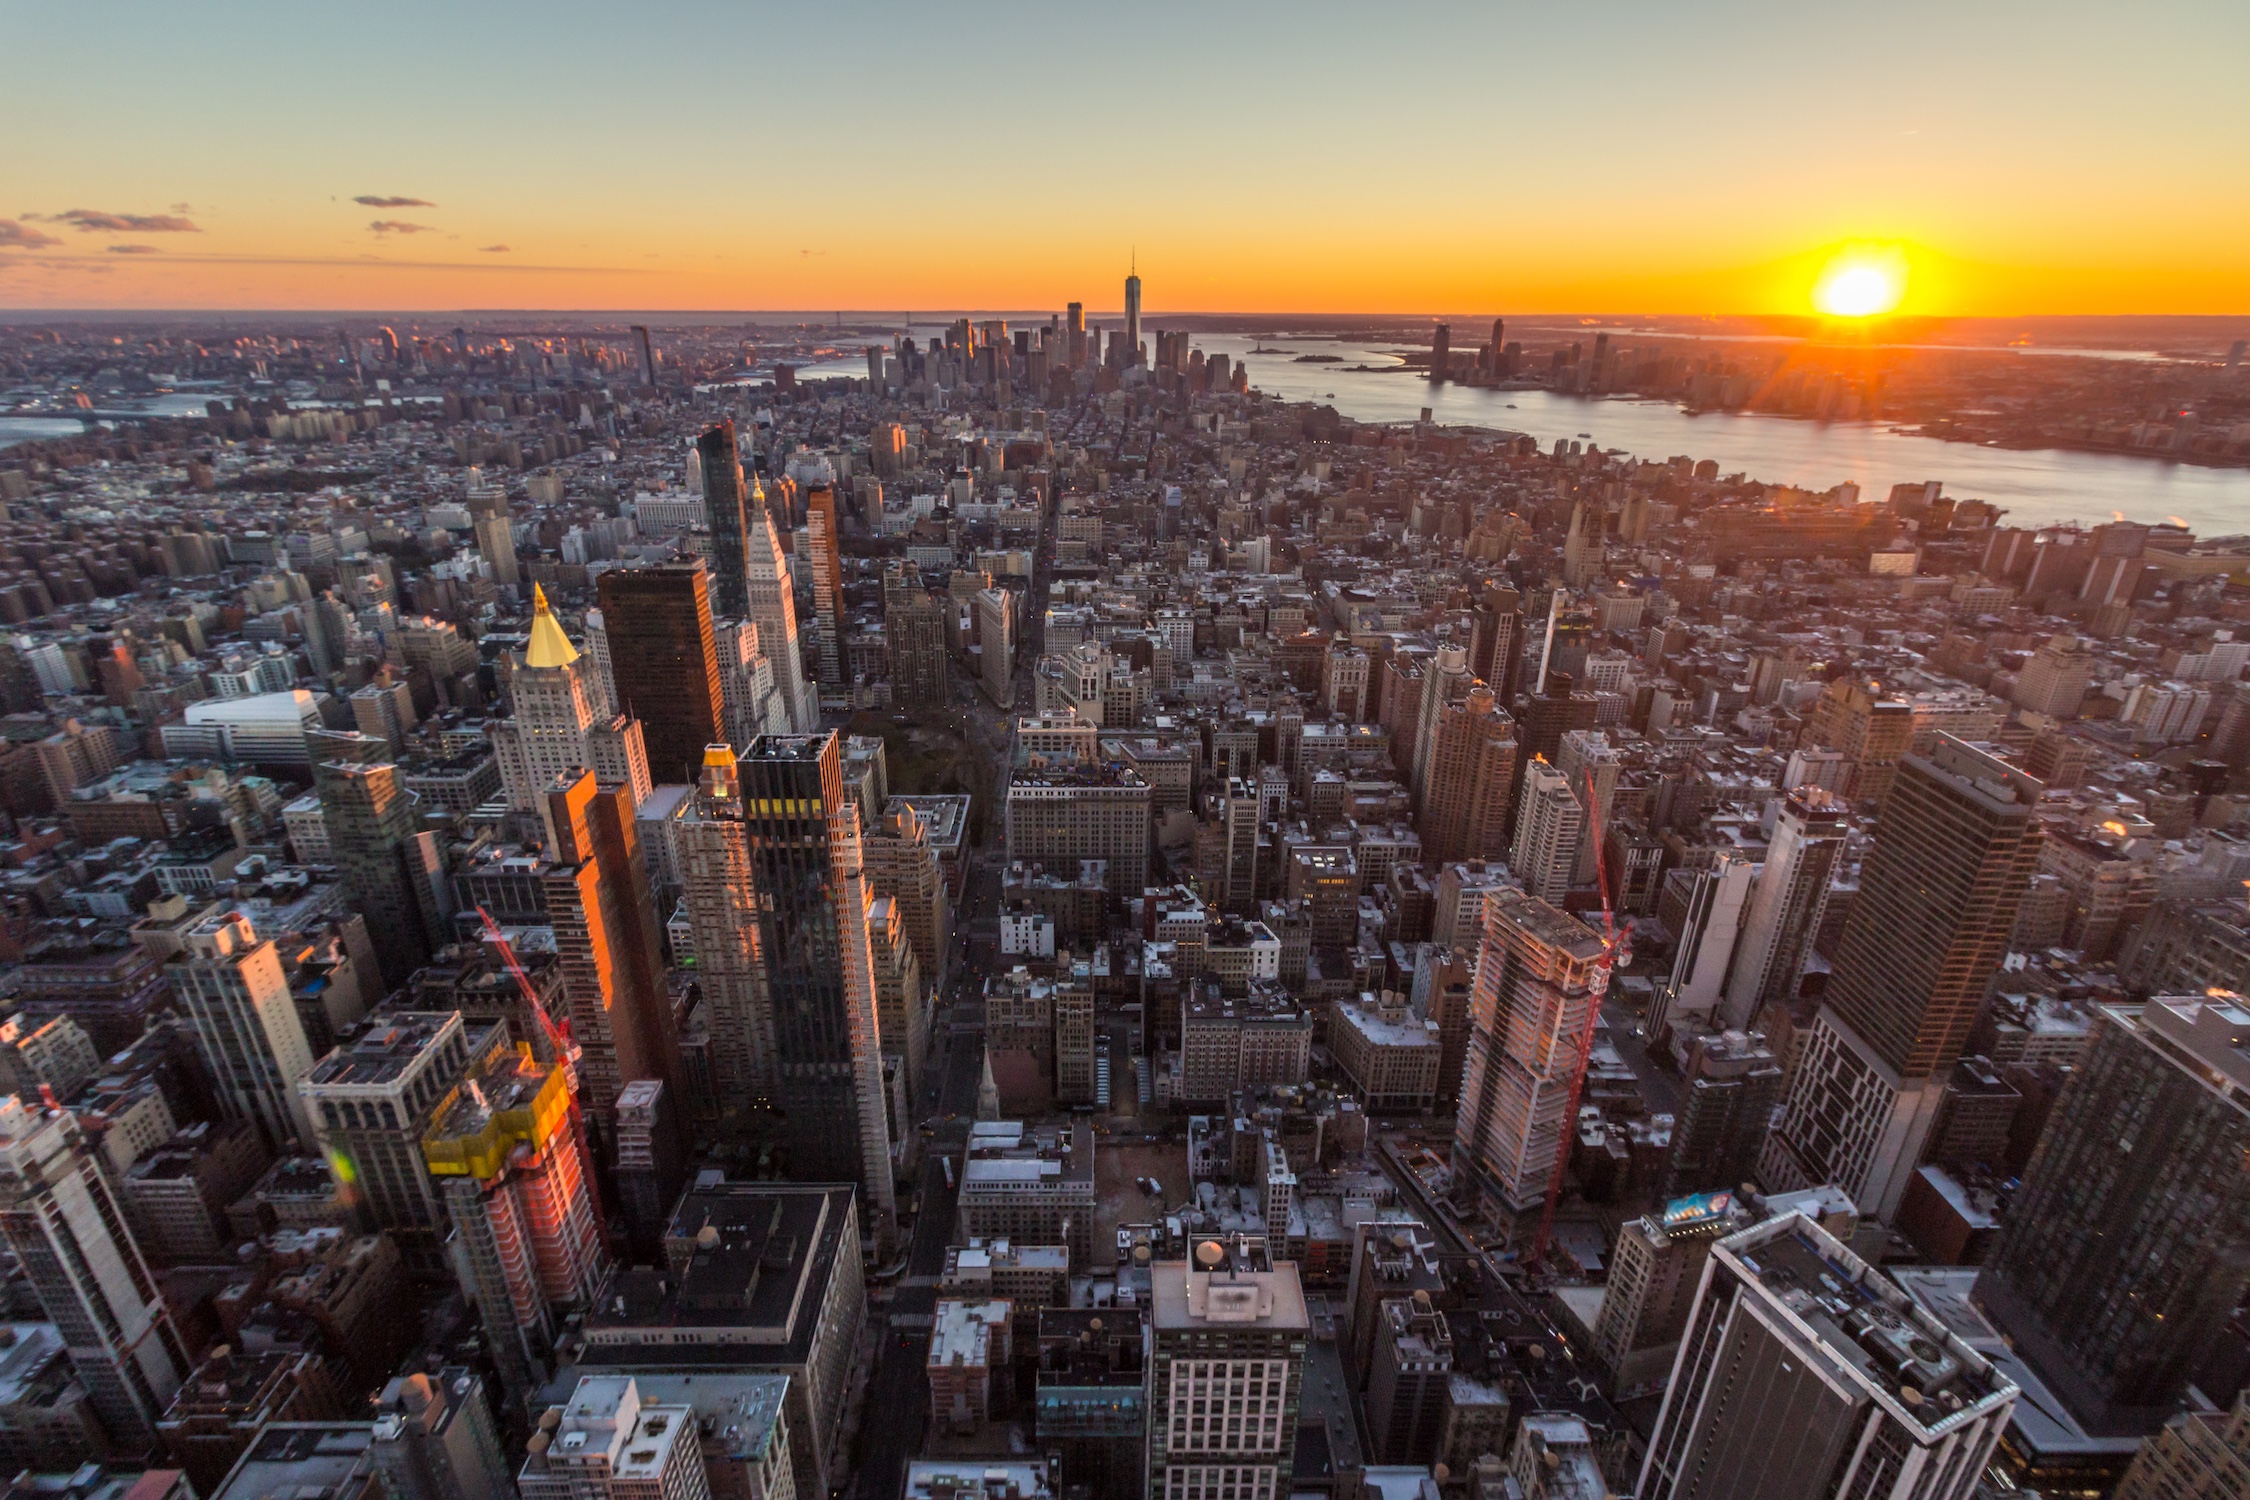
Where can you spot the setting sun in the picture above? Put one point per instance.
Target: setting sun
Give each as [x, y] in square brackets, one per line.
[1861, 282]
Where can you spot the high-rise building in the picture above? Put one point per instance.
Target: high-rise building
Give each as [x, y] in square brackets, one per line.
[1411, 1373]
[1226, 1379]
[1441, 352]
[828, 581]
[810, 936]
[609, 1444]
[1550, 825]
[1445, 679]
[1954, 851]
[1872, 732]
[63, 1221]
[1717, 894]
[726, 503]
[1465, 808]
[664, 662]
[555, 727]
[392, 870]
[1586, 756]
[506, 1152]
[607, 937]
[1805, 1371]
[2200, 1455]
[1538, 983]
[648, 1163]
[720, 893]
[1655, 1267]
[2056, 678]
[901, 1010]
[996, 644]
[371, 1101]
[773, 605]
[902, 864]
[1133, 318]
[1032, 1187]
[1719, 1130]
[750, 700]
[916, 629]
[244, 1019]
[1064, 814]
[1786, 905]
[434, 1438]
[2128, 1245]
[495, 533]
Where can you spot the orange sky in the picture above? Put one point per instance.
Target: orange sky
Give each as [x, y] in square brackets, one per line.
[1635, 157]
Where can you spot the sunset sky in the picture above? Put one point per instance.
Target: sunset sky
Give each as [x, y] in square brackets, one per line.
[1632, 156]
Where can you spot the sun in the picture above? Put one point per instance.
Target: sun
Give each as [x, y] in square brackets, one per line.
[1861, 281]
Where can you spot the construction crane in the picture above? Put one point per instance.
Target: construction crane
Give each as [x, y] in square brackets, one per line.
[565, 1048]
[1617, 948]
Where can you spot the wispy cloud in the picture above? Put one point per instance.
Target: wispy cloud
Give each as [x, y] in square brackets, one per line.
[379, 200]
[492, 249]
[17, 236]
[93, 220]
[398, 226]
[132, 250]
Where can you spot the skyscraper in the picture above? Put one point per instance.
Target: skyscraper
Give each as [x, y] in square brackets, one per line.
[557, 725]
[2128, 1246]
[1444, 680]
[1805, 1371]
[1465, 811]
[1441, 352]
[495, 533]
[1133, 317]
[392, 873]
[827, 581]
[810, 936]
[996, 644]
[506, 1154]
[1717, 894]
[245, 1023]
[1227, 1375]
[1537, 983]
[720, 892]
[1954, 850]
[1786, 905]
[903, 865]
[664, 661]
[773, 604]
[726, 504]
[606, 935]
[67, 1228]
[1550, 825]
[914, 624]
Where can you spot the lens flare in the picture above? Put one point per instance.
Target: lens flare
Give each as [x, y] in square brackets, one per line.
[1861, 281]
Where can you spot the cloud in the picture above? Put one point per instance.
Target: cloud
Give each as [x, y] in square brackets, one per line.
[15, 236]
[492, 249]
[398, 226]
[132, 250]
[91, 220]
[378, 200]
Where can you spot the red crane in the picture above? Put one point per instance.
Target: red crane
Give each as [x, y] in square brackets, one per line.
[566, 1049]
[1617, 948]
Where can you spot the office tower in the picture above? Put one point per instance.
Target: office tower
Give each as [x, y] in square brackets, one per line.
[2056, 679]
[726, 504]
[1226, 1379]
[1441, 352]
[1064, 814]
[648, 1163]
[1548, 715]
[495, 533]
[1719, 1131]
[372, 1099]
[1786, 905]
[916, 628]
[1445, 680]
[505, 1151]
[810, 937]
[773, 605]
[1654, 1269]
[1582, 562]
[1873, 732]
[749, 700]
[392, 873]
[1466, 814]
[63, 1221]
[1586, 755]
[828, 581]
[996, 644]
[609, 1444]
[664, 662]
[1234, 873]
[1805, 1371]
[1538, 985]
[1132, 318]
[903, 866]
[1075, 1070]
[721, 895]
[1954, 850]
[1091, 1401]
[607, 938]
[2128, 1246]
[245, 1023]
[1412, 1370]
[2200, 1455]
[1550, 825]
[1717, 894]
[600, 685]
[1030, 1186]
[434, 1439]
[901, 1014]
[556, 727]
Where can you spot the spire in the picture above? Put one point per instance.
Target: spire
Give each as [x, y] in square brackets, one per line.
[988, 1091]
[549, 646]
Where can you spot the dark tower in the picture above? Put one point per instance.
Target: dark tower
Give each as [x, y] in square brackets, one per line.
[665, 662]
